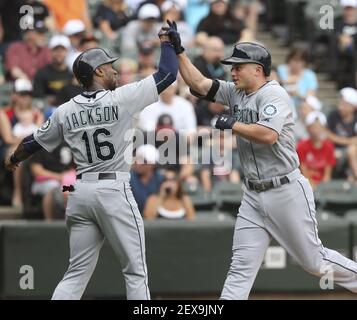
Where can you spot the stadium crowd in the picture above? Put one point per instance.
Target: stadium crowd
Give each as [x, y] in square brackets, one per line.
[37, 50]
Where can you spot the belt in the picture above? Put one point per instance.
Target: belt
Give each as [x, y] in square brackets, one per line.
[103, 176]
[260, 186]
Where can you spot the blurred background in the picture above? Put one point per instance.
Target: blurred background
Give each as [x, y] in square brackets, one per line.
[314, 49]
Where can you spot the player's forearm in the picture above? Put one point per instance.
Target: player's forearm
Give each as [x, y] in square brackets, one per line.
[255, 133]
[168, 67]
[192, 76]
[25, 149]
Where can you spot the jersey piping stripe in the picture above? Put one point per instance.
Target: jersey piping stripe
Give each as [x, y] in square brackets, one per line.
[164, 79]
[141, 245]
[253, 223]
[86, 103]
[313, 221]
[339, 265]
[255, 161]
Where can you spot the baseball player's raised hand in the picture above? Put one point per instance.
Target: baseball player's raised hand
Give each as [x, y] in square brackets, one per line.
[174, 36]
[225, 121]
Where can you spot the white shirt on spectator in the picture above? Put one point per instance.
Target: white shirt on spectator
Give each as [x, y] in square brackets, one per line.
[181, 111]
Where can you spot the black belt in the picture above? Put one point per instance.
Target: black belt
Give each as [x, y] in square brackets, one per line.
[260, 186]
[102, 176]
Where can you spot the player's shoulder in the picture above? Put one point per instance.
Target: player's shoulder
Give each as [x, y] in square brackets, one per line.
[273, 89]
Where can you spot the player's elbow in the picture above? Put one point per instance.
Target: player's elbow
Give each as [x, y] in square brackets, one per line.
[271, 137]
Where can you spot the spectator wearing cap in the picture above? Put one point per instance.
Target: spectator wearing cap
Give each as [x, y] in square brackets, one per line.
[65, 10]
[172, 10]
[221, 23]
[143, 30]
[21, 103]
[75, 31]
[41, 13]
[145, 179]
[316, 154]
[298, 80]
[310, 104]
[111, 15]
[173, 146]
[345, 32]
[54, 76]
[24, 58]
[342, 124]
[181, 111]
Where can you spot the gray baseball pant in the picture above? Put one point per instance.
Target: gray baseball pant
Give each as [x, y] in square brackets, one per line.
[99, 210]
[287, 214]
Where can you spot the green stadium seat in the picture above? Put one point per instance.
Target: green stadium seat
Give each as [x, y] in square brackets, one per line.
[5, 93]
[229, 196]
[338, 196]
[201, 199]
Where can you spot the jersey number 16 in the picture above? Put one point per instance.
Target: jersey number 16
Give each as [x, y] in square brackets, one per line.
[99, 145]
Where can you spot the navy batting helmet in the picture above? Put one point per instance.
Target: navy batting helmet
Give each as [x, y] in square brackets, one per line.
[86, 63]
[248, 52]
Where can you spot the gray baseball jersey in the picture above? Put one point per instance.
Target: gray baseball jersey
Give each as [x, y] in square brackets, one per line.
[271, 107]
[95, 127]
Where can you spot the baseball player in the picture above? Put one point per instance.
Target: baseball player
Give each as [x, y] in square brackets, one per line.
[278, 200]
[101, 204]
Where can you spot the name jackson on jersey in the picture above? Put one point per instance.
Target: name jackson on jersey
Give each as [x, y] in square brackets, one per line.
[91, 116]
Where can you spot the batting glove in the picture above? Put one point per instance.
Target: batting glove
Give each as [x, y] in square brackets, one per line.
[225, 121]
[175, 37]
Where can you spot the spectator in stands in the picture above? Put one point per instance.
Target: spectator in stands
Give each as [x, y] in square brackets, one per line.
[297, 79]
[207, 113]
[127, 70]
[345, 29]
[145, 178]
[68, 92]
[143, 30]
[24, 58]
[41, 13]
[172, 10]
[21, 101]
[50, 172]
[209, 63]
[223, 162]
[54, 76]
[66, 10]
[342, 124]
[221, 23]
[88, 42]
[316, 154]
[181, 111]
[75, 31]
[170, 202]
[111, 16]
[25, 125]
[10, 30]
[174, 148]
[146, 59]
[195, 11]
[310, 104]
[248, 10]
